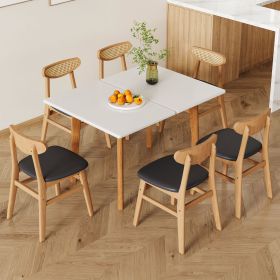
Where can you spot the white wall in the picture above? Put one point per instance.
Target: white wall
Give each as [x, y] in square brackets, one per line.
[34, 34]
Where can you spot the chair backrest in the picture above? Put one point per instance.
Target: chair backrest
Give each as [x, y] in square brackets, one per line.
[25, 144]
[210, 57]
[197, 155]
[252, 127]
[113, 52]
[29, 147]
[60, 69]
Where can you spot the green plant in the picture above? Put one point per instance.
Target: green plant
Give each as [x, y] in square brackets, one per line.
[145, 52]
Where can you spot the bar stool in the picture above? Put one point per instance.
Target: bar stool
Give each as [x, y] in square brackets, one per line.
[174, 175]
[110, 53]
[236, 145]
[49, 167]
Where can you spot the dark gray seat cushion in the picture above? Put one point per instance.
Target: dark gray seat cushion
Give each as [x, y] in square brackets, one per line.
[166, 173]
[56, 163]
[229, 142]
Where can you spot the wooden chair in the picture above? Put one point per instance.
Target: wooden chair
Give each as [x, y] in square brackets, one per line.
[236, 145]
[49, 167]
[176, 175]
[213, 59]
[110, 53]
[54, 71]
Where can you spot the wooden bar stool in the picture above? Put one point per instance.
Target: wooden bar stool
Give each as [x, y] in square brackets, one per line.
[174, 175]
[49, 167]
[110, 53]
[236, 145]
[54, 71]
[214, 59]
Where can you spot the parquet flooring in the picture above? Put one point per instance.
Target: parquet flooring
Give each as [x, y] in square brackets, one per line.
[108, 247]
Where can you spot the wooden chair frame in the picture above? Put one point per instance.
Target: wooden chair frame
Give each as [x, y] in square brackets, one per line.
[109, 53]
[54, 71]
[246, 129]
[214, 59]
[34, 148]
[195, 155]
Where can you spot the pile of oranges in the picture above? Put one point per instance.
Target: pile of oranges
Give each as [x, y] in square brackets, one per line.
[126, 97]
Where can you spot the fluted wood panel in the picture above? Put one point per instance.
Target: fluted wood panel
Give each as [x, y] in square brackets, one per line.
[187, 28]
[257, 46]
[227, 44]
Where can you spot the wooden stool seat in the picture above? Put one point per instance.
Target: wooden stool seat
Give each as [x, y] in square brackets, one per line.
[166, 173]
[229, 143]
[56, 163]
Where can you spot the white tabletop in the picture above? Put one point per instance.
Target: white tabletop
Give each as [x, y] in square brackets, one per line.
[174, 91]
[90, 106]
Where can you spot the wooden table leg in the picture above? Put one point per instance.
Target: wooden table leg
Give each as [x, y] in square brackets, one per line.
[149, 137]
[194, 124]
[75, 135]
[120, 173]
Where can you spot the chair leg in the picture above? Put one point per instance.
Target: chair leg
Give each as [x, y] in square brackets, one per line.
[12, 199]
[161, 127]
[139, 202]
[45, 124]
[215, 208]
[108, 141]
[181, 226]
[267, 177]
[86, 191]
[238, 192]
[57, 189]
[42, 215]
[173, 200]
[221, 100]
[225, 168]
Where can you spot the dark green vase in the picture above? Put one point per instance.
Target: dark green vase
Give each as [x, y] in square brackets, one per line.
[152, 73]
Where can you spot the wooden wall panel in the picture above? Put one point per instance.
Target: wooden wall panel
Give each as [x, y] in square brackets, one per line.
[187, 28]
[227, 40]
[257, 46]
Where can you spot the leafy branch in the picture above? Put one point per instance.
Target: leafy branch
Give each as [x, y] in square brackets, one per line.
[144, 53]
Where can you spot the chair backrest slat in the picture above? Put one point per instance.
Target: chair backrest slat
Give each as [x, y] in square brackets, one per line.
[61, 68]
[255, 125]
[198, 153]
[25, 144]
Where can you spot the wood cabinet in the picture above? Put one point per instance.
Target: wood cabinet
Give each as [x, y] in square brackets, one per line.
[245, 46]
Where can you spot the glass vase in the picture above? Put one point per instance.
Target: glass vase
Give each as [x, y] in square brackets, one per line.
[152, 73]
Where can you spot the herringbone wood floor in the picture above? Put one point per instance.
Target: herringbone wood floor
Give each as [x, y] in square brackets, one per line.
[107, 246]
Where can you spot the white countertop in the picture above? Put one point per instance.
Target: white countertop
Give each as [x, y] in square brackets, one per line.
[245, 11]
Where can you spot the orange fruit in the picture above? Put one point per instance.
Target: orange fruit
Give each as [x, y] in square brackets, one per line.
[138, 100]
[116, 92]
[127, 92]
[129, 98]
[113, 98]
[121, 100]
[120, 95]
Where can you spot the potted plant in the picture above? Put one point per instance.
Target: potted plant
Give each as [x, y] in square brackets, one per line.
[145, 55]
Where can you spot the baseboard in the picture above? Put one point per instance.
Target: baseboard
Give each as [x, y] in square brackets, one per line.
[5, 132]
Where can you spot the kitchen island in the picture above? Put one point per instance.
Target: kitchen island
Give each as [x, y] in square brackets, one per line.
[246, 31]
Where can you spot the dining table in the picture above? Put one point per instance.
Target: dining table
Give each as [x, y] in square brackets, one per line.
[173, 94]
